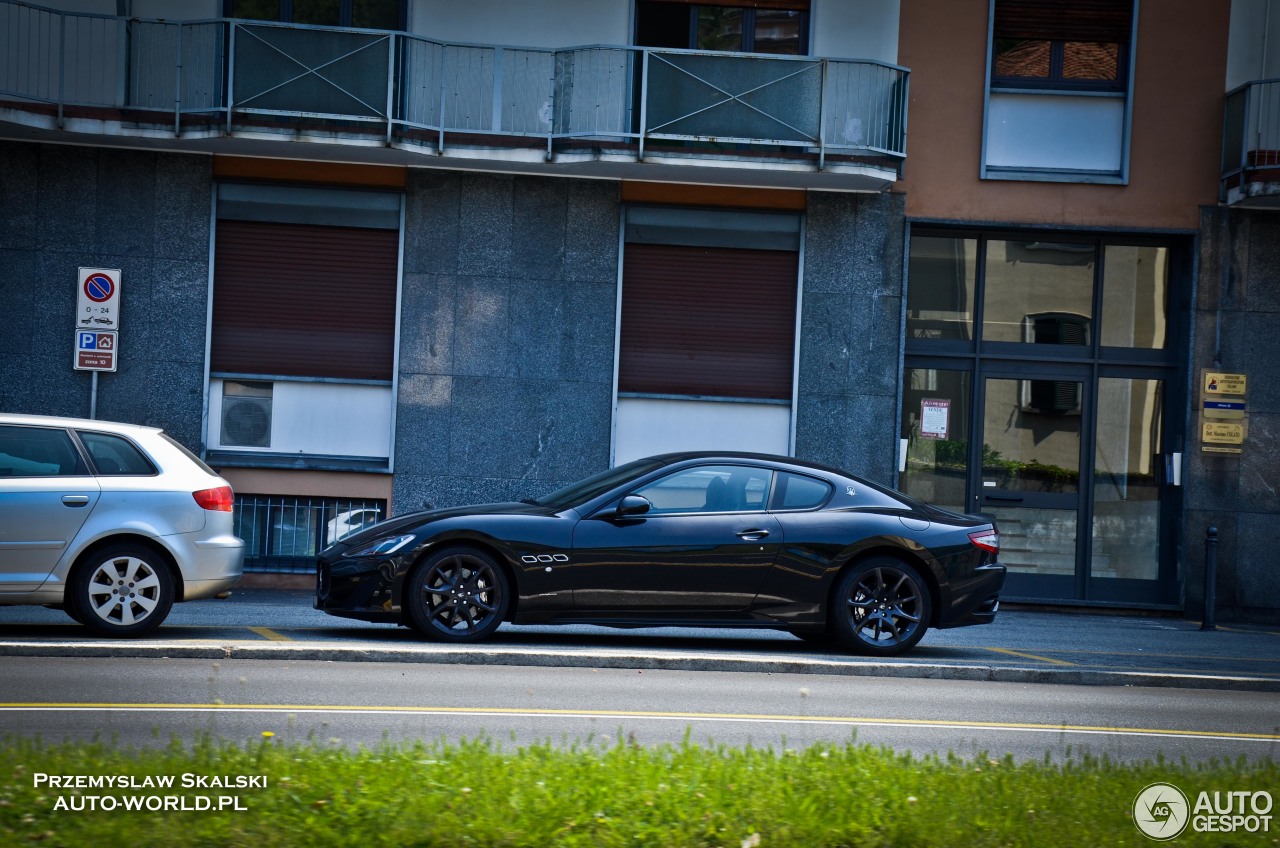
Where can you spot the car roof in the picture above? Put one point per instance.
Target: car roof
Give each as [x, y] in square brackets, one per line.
[78, 423]
[684, 456]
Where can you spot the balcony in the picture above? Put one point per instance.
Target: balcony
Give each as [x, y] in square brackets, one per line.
[1251, 146]
[231, 86]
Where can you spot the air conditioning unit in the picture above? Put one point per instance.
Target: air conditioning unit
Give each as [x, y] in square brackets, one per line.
[246, 422]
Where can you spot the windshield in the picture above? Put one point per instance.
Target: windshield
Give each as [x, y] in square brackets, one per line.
[597, 484]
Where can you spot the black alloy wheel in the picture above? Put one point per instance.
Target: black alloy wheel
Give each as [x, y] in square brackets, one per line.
[881, 607]
[457, 595]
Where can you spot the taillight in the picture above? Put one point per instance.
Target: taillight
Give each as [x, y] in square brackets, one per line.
[988, 540]
[218, 500]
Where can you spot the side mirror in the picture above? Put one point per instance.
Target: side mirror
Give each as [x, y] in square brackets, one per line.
[630, 505]
[633, 505]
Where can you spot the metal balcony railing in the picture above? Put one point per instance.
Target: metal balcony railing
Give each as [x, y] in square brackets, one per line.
[237, 76]
[1251, 135]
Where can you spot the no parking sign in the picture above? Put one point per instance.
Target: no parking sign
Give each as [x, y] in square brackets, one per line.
[98, 299]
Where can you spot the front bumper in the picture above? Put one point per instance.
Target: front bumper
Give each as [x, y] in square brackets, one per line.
[362, 588]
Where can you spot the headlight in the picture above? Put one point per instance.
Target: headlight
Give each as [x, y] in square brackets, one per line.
[382, 547]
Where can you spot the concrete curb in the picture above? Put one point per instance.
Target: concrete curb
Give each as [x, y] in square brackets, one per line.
[648, 660]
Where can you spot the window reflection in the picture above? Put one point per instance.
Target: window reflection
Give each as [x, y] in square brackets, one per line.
[1027, 279]
[935, 423]
[1126, 484]
[940, 287]
[1135, 296]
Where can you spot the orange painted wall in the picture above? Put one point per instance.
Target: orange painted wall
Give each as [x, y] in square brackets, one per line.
[1177, 122]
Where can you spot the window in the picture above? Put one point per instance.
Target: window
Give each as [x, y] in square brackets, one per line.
[1058, 107]
[795, 491]
[1048, 45]
[362, 14]
[710, 488]
[781, 29]
[38, 452]
[114, 455]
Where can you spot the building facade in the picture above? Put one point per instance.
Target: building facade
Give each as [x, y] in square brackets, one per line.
[378, 256]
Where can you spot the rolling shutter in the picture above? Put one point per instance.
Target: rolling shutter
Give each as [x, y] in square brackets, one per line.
[1107, 21]
[707, 321]
[304, 301]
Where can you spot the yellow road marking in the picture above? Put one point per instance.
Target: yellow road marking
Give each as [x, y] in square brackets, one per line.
[637, 714]
[1030, 656]
[267, 633]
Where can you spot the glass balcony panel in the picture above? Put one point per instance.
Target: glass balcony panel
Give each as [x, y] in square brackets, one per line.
[314, 71]
[694, 95]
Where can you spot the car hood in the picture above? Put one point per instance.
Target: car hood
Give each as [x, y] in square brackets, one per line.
[409, 522]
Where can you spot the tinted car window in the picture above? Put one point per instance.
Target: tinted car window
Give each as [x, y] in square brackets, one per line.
[38, 452]
[115, 455]
[709, 488]
[796, 491]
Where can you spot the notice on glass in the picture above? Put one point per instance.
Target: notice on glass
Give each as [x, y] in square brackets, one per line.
[935, 416]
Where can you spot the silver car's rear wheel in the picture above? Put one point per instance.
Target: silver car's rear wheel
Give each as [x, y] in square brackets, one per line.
[121, 591]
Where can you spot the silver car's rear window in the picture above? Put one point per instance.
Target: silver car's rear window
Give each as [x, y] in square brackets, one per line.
[116, 456]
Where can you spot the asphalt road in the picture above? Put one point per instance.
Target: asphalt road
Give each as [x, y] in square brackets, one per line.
[264, 660]
[1021, 646]
[150, 701]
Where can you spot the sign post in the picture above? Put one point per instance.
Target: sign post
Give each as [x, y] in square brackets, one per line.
[97, 320]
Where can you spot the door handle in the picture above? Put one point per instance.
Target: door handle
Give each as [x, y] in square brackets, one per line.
[752, 535]
[1012, 498]
[75, 500]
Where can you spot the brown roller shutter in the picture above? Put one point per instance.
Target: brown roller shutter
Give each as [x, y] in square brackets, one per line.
[1105, 21]
[707, 321]
[304, 301]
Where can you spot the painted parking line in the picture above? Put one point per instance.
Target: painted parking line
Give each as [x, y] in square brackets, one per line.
[268, 633]
[1025, 656]
[636, 715]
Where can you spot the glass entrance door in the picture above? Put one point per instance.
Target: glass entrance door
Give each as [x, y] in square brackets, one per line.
[1029, 477]
[1131, 496]
[1072, 468]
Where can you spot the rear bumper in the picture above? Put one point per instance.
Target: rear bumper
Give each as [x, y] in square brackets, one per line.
[975, 599]
[211, 566]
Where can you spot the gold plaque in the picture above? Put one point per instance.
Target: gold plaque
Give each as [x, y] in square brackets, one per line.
[1222, 433]
[1217, 383]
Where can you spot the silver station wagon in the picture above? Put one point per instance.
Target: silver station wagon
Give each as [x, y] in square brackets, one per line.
[112, 523]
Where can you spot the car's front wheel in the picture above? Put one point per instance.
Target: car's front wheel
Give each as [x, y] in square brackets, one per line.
[457, 595]
[125, 590]
[881, 607]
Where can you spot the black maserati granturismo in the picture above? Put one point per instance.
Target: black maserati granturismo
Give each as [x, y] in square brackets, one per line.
[688, 539]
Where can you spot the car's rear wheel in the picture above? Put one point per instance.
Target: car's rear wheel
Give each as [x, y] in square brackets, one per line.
[457, 595]
[881, 607]
[125, 590]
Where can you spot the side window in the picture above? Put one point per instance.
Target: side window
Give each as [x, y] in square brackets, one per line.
[38, 452]
[115, 455]
[710, 488]
[796, 491]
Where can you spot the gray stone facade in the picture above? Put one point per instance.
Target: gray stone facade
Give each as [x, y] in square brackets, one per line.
[851, 333]
[1237, 315]
[66, 207]
[507, 336]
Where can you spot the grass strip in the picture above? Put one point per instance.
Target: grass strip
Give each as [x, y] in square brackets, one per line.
[594, 794]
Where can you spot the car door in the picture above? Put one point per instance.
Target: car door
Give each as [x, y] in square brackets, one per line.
[46, 493]
[706, 543]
